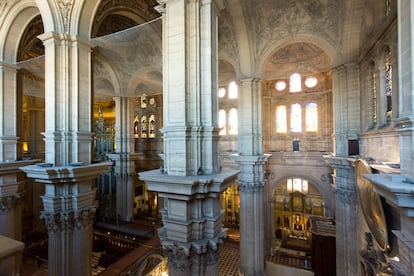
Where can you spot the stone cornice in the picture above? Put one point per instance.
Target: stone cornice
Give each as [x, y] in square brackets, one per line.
[184, 186]
[49, 174]
[395, 189]
[14, 166]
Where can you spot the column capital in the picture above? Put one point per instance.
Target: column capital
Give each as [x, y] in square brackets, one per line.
[9, 202]
[179, 257]
[346, 196]
[67, 221]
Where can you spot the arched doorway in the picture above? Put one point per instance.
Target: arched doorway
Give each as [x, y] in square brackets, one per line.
[295, 201]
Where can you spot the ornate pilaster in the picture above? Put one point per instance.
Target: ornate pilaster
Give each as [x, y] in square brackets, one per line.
[68, 97]
[69, 206]
[346, 215]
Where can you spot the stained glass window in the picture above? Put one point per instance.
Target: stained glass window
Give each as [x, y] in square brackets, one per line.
[233, 90]
[295, 118]
[136, 127]
[233, 128]
[281, 120]
[144, 127]
[222, 122]
[388, 86]
[311, 117]
[152, 126]
[295, 83]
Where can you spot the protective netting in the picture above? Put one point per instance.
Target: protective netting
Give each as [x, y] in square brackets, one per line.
[134, 56]
[128, 61]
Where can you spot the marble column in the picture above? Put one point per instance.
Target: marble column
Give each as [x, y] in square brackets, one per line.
[251, 179]
[191, 180]
[346, 216]
[68, 175]
[124, 158]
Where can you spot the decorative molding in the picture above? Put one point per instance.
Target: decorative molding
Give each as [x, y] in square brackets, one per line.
[346, 196]
[9, 202]
[68, 221]
[65, 8]
[178, 257]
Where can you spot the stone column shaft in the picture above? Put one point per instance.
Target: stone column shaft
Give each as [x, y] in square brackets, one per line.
[10, 113]
[68, 99]
[251, 178]
[124, 158]
[346, 217]
[190, 87]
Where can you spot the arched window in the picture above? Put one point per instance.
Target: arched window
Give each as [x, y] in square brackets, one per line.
[221, 92]
[152, 126]
[222, 122]
[144, 127]
[311, 117]
[281, 120]
[297, 184]
[295, 118]
[233, 90]
[295, 83]
[388, 86]
[233, 128]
